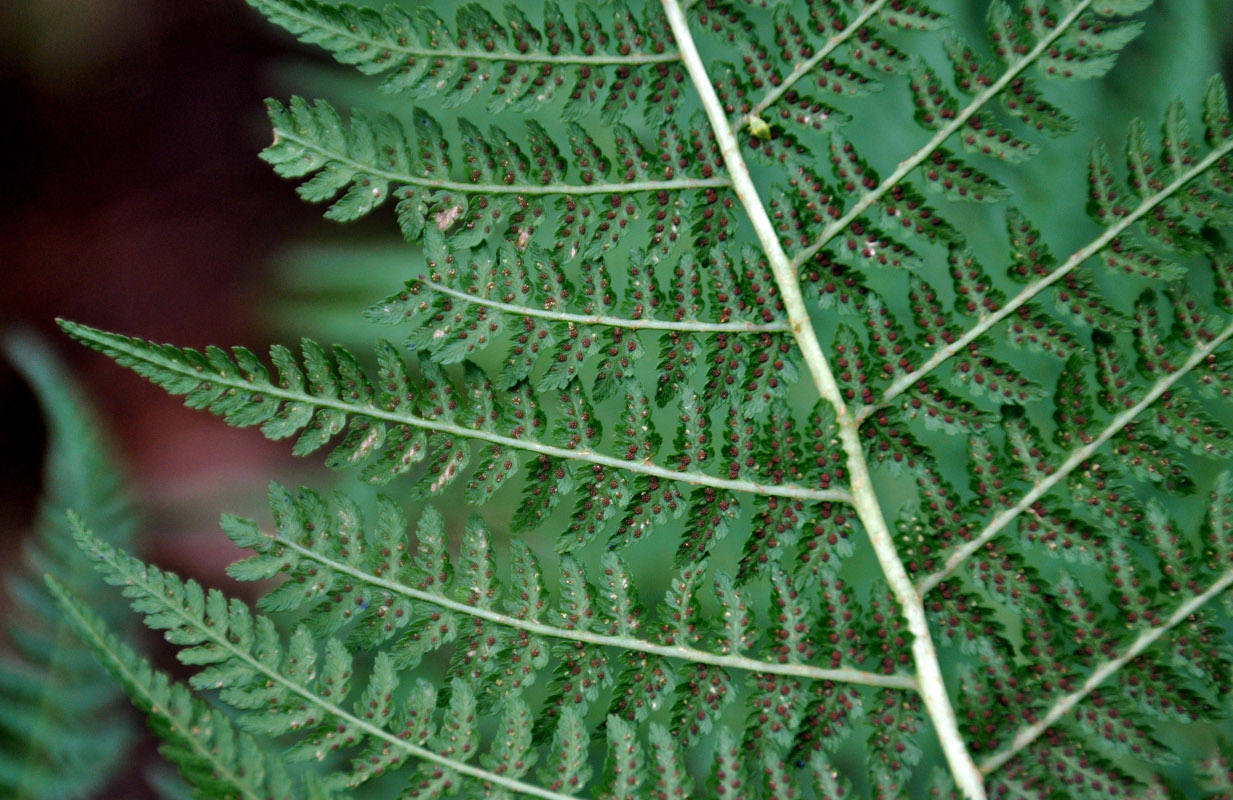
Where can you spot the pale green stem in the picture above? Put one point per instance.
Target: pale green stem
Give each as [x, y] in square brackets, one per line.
[806, 66]
[842, 675]
[1102, 673]
[930, 683]
[1072, 462]
[961, 119]
[684, 326]
[372, 170]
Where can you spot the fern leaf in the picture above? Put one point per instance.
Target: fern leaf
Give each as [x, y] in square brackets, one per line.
[57, 710]
[367, 160]
[820, 57]
[366, 591]
[1151, 211]
[567, 766]
[1049, 476]
[625, 766]
[277, 688]
[892, 752]
[463, 319]
[1146, 639]
[514, 64]
[213, 757]
[1019, 45]
[387, 428]
[610, 310]
[730, 773]
[1090, 48]
[672, 780]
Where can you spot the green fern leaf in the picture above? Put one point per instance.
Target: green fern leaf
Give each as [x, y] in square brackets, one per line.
[513, 64]
[331, 390]
[368, 160]
[213, 757]
[611, 310]
[56, 709]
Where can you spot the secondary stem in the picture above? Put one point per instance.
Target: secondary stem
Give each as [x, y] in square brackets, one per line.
[1072, 462]
[371, 169]
[930, 684]
[688, 326]
[1146, 639]
[913, 161]
[690, 654]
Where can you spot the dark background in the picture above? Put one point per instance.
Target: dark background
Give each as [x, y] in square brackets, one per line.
[133, 201]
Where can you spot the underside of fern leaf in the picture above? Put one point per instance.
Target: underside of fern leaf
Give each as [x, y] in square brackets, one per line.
[934, 494]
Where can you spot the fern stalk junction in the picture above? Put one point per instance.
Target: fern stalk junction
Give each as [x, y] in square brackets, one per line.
[980, 516]
[930, 682]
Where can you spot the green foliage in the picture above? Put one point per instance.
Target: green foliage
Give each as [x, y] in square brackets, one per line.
[608, 313]
[340, 573]
[507, 181]
[63, 731]
[393, 424]
[520, 62]
[215, 759]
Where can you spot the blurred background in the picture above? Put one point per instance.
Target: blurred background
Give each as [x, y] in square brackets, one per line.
[132, 199]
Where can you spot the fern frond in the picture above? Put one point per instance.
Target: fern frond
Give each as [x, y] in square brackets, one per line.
[57, 710]
[721, 290]
[805, 52]
[344, 574]
[650, 344]
[213, 757]
[394, 425]
[358, 585]
[1064, 704]
[461, 311]
[279, 688]
[1112, 247]
[1145, 595]
[812, 57]
[1059, 44]
[615, 61]
[506, 182]
[1078, 457]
